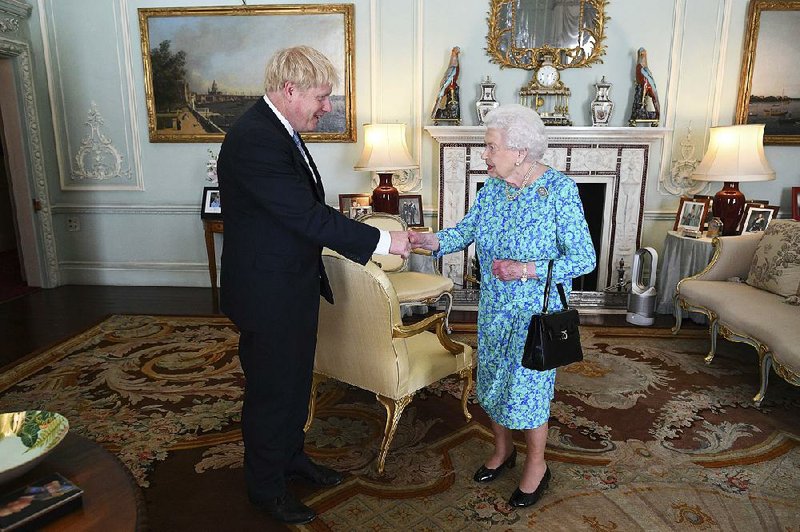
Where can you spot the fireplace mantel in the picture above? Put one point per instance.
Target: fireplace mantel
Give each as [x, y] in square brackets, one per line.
[618, 157]
[558, 133]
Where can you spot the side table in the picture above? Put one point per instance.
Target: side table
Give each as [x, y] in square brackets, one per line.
[209, 228]
[111, 498]
[682, 256]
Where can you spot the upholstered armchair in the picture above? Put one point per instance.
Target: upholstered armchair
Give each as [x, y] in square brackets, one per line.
[412, 288]
[362, 341]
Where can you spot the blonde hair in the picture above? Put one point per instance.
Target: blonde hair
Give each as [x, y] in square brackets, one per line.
[521, 127]
[302, 65]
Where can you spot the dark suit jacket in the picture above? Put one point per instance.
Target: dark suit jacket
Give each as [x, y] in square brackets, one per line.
[276, 223]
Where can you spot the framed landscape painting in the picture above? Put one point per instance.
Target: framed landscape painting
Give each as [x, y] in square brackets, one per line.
[204, 66]
[769, 85]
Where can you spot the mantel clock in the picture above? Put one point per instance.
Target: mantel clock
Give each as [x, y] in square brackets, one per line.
[547, 94]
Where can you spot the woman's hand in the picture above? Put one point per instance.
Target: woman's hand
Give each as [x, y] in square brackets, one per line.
[427, 241]
[511, 270]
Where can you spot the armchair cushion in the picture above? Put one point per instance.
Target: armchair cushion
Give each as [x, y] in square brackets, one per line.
[776, 263]
[417, 286]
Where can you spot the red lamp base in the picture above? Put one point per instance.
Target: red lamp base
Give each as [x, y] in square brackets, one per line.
[729, 207]
[385, 198]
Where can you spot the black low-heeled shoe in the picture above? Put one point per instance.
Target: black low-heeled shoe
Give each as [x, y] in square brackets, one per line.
[484, 474]
[520, 499]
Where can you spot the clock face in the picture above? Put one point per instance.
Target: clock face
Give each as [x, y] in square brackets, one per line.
[547, 75]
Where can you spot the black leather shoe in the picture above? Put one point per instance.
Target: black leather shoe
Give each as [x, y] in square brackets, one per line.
[288, 509]
[520, 499]
[484, 474]
[318, 475]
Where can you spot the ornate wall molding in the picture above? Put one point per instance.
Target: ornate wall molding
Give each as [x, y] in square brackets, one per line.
[21, 54]
[12, 13]
[680, 180]
[97, 158]
[17, 8]
[8, 24]
[92, 161]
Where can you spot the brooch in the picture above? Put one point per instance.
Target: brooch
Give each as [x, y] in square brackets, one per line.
[542, 191]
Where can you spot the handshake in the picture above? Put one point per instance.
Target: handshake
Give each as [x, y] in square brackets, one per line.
[407, 242]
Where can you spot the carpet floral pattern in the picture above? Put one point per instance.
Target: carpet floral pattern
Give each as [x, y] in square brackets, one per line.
[643, 435]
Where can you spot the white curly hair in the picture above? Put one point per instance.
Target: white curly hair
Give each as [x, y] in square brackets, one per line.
[521, 128]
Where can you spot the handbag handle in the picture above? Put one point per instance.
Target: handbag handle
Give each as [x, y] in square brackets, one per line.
[560, 288]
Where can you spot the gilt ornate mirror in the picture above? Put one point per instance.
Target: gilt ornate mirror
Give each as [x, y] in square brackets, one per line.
[571, 31]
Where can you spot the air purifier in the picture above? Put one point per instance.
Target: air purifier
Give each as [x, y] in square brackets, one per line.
[642, 297]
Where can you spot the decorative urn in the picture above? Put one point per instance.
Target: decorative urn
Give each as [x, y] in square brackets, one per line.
[602, 104]
[487, 101]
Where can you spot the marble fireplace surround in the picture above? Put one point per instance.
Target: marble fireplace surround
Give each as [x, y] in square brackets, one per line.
[619, 157]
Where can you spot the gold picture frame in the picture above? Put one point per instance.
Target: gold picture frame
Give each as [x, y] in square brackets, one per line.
[771, 52]
[196, 86]
[691, 214]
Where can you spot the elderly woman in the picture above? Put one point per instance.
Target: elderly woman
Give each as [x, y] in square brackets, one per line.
[525, 215]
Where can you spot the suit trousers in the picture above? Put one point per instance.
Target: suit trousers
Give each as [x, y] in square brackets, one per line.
[278, 366]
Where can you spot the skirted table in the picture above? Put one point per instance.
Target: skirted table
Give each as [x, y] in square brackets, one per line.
[682, 256]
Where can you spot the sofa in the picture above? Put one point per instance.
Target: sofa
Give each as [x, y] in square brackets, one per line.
[750, 292]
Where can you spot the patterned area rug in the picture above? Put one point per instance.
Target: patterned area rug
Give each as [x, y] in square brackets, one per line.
[643, 435]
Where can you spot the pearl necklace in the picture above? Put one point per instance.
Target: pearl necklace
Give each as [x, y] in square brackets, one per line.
[511, 196]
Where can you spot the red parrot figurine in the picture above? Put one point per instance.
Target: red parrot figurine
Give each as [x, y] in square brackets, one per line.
[645, 101]
[447, 105]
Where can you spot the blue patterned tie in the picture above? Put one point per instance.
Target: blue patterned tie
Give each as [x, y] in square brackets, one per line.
[296, 139]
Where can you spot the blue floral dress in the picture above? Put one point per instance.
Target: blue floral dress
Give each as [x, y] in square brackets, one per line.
[545, 221]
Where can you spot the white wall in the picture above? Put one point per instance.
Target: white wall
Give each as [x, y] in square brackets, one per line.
[88, 51]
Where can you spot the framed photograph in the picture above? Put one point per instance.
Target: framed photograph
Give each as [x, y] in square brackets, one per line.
[769, 93]
[796, 203]
[349, 201]
[709, 213]
[361, 210]
[195, 85]
[211, 207]
[757, 218]
[691, 214]
[411, 210]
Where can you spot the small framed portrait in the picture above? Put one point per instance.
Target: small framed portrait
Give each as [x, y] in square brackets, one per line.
[211, 207]
[796, 203]
[348, 201]
[410, 209]
[709, 213]
[359, 211]
[691, 214]
[756, 218]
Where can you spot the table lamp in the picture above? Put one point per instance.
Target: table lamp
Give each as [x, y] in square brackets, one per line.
[385, 150]
[735, 154]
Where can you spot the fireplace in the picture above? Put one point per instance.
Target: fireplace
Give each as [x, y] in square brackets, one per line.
[610, 167]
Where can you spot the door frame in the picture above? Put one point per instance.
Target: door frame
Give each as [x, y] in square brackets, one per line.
[25, 160]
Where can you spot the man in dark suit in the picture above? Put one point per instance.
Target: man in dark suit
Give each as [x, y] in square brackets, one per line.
[276, 224]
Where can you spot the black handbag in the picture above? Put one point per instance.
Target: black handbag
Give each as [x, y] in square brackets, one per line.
[553, 338]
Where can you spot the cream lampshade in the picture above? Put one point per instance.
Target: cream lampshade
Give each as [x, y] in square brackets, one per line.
[385, 150]
[735, 154]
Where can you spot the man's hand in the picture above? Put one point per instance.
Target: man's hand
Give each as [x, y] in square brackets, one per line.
[400, 244]
[427, 241]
